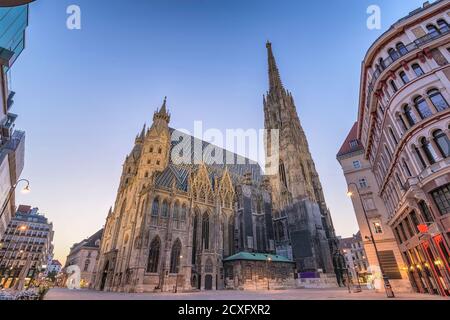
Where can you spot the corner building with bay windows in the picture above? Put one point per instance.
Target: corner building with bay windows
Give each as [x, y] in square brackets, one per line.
[403, 126]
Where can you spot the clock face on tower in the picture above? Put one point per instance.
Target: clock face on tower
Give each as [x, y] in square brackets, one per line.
[13, 3]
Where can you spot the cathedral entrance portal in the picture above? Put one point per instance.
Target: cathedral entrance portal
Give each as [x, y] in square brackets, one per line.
[104, 276]
[208, 282]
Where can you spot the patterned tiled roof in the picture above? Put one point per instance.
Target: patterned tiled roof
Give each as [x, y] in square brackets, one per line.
[237, 165]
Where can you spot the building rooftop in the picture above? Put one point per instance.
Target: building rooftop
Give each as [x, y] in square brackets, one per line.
[351, 143]
[257, 257]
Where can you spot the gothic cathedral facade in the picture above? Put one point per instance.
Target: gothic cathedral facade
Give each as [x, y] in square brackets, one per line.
[174, 223]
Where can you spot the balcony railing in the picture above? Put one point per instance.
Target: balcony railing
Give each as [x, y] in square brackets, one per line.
[418, 43]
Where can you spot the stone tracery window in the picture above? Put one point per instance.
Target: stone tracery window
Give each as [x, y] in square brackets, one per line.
[153, 256]
[165, 209]
[175, 257]
[155, 207]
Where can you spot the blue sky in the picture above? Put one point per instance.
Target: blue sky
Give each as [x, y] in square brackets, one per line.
[82, 95]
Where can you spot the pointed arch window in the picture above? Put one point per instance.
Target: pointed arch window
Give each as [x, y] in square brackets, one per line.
[155, 207]
[410, 117]
[282, 173]
[165, 209]
[183, 213]
[429, 151]
[175, 257]
[205, 231]
[194, 236]
[442, 142]
[176, 211]
[422, 107]
[438, 100]
[153, 255]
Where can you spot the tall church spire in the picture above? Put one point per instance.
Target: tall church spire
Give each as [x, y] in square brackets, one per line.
[274, 74]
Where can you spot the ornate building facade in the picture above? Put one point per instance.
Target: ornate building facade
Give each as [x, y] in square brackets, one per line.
[175, 222]
[403, 127]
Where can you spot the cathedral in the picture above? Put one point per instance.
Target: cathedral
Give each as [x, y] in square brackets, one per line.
[204, 224]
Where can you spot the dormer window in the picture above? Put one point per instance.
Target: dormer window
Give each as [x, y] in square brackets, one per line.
[159, 150]
[158, 163]
[353, 144]
[151, 149]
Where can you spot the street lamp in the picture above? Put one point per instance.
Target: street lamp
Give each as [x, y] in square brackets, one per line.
[25, 190]
[269, 259]
[387, 285]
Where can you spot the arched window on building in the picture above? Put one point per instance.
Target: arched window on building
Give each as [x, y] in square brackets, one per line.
[429, 151]
[404, 77]
[155, 207]
[393, 86]
[153, 255]
[205, 231]
[443, 25]
[409, 114]
[442, 142]
[422, 107]
[432, 30]
[165, 209]
[417, 69]
[401, 48]
[438, 100]
[419, 157]
[175, 257]
[393, 54]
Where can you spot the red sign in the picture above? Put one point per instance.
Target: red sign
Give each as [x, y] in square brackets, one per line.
[423, 228]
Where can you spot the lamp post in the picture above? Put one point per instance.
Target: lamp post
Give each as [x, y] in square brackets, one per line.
[268, 260]
[26, 189]
[387, 285]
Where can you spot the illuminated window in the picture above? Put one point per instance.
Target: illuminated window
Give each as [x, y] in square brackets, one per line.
[377, 227]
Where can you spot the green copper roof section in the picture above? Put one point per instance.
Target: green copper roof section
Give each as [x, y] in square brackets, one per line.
[257, 257]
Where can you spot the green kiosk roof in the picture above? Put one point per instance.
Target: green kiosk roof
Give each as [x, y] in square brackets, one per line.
[257, 257]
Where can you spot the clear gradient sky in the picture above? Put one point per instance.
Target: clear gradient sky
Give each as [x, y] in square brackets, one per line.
[83, 95]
